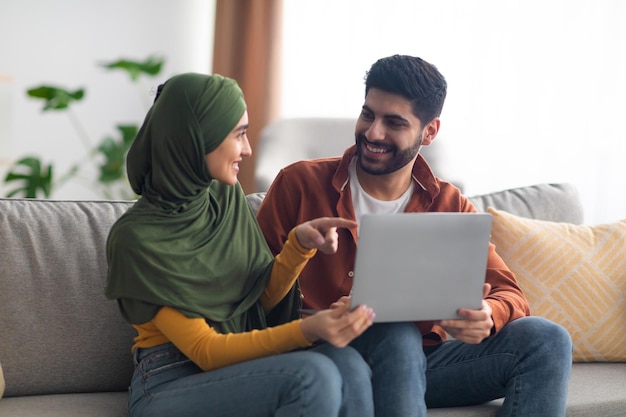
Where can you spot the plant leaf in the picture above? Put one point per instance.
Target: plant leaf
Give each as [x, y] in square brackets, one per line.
[151, 66]
[114, 152]
[55, 98]
[33, 174]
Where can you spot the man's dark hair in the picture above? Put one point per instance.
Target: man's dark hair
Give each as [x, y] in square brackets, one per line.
[414, 79]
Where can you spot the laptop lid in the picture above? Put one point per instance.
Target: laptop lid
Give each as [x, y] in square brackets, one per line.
[421, 266]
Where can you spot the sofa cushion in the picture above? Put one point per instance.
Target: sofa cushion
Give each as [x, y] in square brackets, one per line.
[595, 389]
[59, 333]
[101, 404]
[574, 275]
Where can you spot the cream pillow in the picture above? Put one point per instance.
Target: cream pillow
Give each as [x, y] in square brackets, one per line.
[574, 275]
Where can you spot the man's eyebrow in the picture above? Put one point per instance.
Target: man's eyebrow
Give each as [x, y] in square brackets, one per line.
[392, 116]
[241, 127]
[396, 117]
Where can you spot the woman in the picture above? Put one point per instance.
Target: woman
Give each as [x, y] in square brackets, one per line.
[215, 313]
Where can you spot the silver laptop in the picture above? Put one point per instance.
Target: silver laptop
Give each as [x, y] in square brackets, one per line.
[421, 266]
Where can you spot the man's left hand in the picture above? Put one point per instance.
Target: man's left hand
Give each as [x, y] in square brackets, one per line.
[475, 325]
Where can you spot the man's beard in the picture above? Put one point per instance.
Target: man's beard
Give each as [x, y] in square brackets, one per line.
[400, 158]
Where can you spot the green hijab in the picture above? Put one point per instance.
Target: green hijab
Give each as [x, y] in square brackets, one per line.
[189, 242]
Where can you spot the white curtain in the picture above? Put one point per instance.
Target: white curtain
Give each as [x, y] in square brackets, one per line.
[536, 88]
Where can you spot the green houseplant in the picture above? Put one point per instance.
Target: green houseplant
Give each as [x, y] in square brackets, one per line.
[33, 178]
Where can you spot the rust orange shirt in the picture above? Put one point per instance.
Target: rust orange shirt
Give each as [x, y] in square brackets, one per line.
[309, 189]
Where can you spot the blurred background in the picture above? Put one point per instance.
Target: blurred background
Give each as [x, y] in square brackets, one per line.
[536, 88]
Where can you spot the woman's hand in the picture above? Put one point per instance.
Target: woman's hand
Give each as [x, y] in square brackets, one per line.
[337, 326]
[342, 301]
[321, 233]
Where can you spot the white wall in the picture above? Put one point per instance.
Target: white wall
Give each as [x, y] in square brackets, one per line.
[61, 42]
[536, 88]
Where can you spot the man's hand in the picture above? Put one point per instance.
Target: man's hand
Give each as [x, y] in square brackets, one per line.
[475, 326]
[321, 233]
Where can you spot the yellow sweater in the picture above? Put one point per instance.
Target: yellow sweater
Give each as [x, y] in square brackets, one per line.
[211, 350]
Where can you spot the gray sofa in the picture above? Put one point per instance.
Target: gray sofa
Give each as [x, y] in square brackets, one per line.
[65, 349]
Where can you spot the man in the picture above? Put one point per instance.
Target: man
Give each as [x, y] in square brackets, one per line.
[497, 351]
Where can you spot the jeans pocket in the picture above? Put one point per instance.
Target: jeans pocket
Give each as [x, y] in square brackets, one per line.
[163, 367]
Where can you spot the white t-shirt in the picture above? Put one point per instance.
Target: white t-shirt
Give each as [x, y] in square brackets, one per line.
[366, 204]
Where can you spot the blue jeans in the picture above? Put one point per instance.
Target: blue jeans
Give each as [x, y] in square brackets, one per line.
[394, 354]
[528, 363]
[388, 364]
[303, 383]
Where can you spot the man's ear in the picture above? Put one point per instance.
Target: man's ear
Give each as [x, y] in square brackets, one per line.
[430, 131]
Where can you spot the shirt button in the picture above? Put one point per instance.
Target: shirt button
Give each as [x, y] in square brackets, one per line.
[351, 274]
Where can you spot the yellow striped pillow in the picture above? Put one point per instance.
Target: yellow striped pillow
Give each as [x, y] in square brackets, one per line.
[574, 275]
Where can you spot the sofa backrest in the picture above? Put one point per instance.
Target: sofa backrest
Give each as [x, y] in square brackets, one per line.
[58, 333]
[552, 202]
